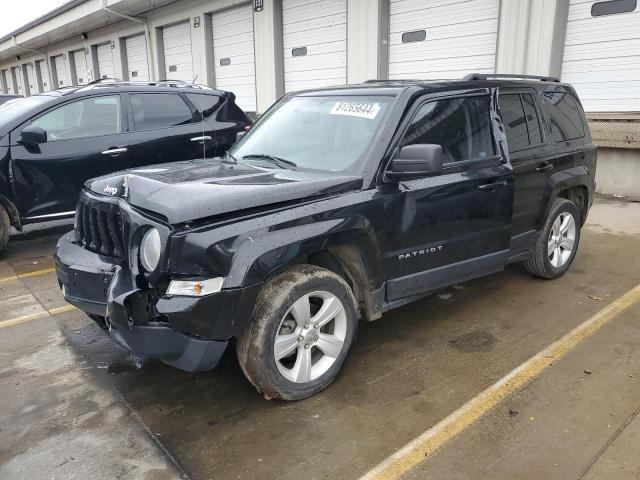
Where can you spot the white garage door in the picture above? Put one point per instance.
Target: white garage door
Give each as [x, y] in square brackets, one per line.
[315, 43]
[602, 55]
[434, 39]
[105, 61]
[177, 52]
[80, 61]
[137, 66]
[31, 79]
[233, 55]
[44, 75]
[61, 71]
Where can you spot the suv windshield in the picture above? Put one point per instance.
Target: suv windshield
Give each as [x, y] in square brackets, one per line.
[318, 133]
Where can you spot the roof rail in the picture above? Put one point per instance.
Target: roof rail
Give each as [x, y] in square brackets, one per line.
[486, 76]
[105, 80]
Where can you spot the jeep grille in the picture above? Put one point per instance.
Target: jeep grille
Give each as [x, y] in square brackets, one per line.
[99, 227]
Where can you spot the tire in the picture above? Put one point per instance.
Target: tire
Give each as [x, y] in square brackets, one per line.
[553, 254]
[301, 342]
[5, 228]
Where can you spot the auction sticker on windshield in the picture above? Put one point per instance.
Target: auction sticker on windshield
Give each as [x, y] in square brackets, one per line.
[353, 109]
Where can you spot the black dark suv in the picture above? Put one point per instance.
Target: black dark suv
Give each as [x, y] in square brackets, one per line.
[338, 205]
[51, 143]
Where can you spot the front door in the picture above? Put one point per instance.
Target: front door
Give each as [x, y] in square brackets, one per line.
[457, 225]
[84, 139]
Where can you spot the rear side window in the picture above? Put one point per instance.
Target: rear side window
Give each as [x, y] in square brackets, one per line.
[521, 121]
[159, 110]
[461, 126]
[514, 121]
[205, 104]
[564, 116]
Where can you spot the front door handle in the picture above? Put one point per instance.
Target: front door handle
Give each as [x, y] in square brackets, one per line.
[201, 139]
[490, 187]
[114, 151]
[544, 167]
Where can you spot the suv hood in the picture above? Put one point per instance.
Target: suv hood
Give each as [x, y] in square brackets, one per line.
[191, 190]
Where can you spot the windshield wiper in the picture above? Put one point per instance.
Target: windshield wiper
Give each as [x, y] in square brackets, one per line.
[280, 162]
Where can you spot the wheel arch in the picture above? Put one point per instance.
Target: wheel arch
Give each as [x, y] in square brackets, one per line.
[347, 247]
[12, 211]
[572, 184]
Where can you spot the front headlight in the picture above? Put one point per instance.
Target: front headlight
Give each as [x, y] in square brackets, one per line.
[195, 288]
[150, 249]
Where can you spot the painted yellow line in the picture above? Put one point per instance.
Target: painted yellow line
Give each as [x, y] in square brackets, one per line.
[27, 275]
[36, 316]
[431, 440]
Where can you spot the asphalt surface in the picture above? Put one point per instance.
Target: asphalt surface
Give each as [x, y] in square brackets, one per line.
[74, 406]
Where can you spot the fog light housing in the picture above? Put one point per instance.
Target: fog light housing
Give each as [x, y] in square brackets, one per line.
[195, 288]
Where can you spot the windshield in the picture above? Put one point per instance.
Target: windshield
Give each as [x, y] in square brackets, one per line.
[18, 107]
[317, 133]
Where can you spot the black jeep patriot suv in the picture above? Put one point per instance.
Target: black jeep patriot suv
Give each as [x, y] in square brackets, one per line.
[338, 205]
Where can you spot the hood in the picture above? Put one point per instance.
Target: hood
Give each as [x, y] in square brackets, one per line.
[186, 191]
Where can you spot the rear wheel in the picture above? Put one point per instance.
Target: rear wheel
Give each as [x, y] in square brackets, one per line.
[302, 329]
[557, 243]
[5, 228]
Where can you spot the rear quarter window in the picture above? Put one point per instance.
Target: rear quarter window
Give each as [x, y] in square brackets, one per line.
[565, 119]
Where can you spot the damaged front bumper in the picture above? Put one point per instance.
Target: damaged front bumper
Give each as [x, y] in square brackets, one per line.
[187, 333]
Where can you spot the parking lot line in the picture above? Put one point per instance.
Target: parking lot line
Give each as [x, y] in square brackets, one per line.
[425, 445]
[28, 274]
[36, 316]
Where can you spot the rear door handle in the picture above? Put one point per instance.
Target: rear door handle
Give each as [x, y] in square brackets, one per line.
[544, 167]
[114, 151]
[201, 139]
[490, 187]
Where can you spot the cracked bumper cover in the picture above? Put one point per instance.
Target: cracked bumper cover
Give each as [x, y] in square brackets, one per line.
[189, 333]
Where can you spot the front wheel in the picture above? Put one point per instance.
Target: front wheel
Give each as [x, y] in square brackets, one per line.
[557, 243]
[302, 328]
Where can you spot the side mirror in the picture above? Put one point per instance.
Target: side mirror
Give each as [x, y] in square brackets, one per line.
[416, 161]
[33, 135]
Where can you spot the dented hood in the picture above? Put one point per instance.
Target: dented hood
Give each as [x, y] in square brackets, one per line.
[186, 191]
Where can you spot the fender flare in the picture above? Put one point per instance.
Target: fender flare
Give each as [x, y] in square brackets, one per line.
[577, 176]
[260, 257]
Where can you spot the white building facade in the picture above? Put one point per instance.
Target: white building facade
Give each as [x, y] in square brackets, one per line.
[262, 49]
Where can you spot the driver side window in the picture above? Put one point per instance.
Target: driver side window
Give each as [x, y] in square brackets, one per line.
[462, 126]
[90, 117]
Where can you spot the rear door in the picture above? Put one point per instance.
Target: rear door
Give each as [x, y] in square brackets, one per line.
[531, 159]
[454, 226]
[85, 137]
[164, 129]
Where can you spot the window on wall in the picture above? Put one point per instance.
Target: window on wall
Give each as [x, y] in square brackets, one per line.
[611, 7]
[462, 126]
[159, 110]
[564, 116]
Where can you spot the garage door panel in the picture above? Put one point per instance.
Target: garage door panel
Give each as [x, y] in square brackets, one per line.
[105, 61]
[461, 36]
[441, 17]
[177, 52]
[315, 75]
[304, 10]
[315, 63]
[136, 53]
[438, 70]
[234, 57]
[44, 75]
[333, 34]
[601, 58]
[61, 71]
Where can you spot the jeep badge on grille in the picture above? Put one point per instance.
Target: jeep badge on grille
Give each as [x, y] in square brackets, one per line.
[111, 190]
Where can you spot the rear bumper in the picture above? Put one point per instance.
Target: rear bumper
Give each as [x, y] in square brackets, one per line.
[166, 329]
